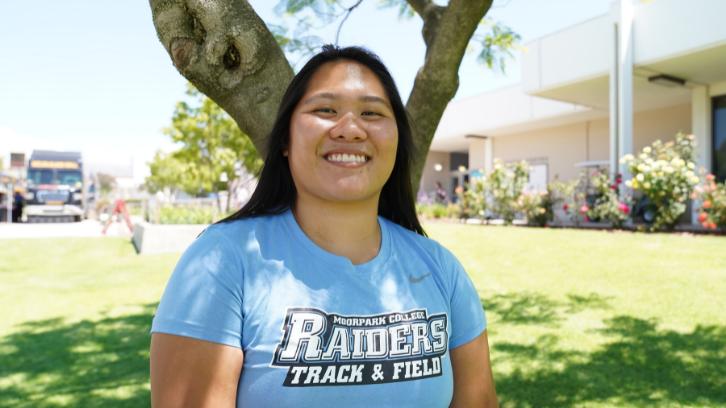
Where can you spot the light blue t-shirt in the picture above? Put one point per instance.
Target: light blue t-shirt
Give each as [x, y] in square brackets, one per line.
[316, 329]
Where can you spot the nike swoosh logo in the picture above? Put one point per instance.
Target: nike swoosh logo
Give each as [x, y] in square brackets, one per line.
[417, 280]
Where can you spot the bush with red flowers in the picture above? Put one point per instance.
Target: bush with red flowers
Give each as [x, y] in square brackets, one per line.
[575, 191]
[712, 211]
[609, 206]
[537, 206]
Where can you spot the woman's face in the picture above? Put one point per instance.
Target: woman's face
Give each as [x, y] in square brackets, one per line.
[343, 135]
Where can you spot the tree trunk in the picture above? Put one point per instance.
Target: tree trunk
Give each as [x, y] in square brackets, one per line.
[227, 52]
[446, 31]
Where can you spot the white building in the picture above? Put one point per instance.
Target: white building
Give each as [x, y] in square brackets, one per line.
[596, 91]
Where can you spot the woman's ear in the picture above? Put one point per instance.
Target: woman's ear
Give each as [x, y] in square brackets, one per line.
[284, 146]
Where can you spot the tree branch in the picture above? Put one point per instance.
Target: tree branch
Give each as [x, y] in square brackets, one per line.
[348, 11]
[447, 31]
[228, 53]
[420, 6]
[431, 14]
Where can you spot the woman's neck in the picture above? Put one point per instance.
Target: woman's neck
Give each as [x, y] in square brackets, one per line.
[349, 230]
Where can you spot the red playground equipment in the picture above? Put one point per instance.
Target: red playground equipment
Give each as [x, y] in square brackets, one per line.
[119, 208]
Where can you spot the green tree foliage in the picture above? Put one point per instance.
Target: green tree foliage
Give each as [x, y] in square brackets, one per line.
[496, 44]
[493, 40]
[211, 144]
[167, 171]
[106, 183]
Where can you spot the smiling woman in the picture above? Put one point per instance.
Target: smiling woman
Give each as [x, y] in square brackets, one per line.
[324, 289]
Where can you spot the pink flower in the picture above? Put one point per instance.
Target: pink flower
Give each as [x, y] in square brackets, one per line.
[705, 224]
[710, 177]
[712, 225]
[565, 207]
[624, 208]
[702, 217]
[614, 187]
[618, 180]
[586, 219]
[706, 204]
[584, 209]
[459, 189]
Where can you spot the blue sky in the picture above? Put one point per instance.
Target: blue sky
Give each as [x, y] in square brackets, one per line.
[93, 73]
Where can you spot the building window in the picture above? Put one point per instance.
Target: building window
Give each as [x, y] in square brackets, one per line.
[719, 137]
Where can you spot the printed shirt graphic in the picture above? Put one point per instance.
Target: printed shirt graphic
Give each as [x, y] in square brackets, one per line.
[390, 347]
[316, 329]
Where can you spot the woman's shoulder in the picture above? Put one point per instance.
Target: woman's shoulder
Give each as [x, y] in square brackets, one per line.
[234, 236]
[237, 229]
[403, 236]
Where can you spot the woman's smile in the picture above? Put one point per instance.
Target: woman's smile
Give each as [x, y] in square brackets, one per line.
[353, 160]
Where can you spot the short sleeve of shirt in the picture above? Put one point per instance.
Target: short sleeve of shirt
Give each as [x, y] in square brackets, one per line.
[467, 315]
[203, 298]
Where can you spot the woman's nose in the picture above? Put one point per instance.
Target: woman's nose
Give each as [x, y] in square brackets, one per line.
[349, 128]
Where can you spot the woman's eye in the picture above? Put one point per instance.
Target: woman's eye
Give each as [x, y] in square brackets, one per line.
[370, 113]
[325, 110]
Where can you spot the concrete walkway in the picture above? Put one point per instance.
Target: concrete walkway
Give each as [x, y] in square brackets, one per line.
[86, 228]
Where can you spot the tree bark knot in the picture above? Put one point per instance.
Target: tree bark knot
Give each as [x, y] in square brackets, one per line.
[181, 52]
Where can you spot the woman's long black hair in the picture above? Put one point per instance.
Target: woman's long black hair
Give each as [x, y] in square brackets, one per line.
[276, 193]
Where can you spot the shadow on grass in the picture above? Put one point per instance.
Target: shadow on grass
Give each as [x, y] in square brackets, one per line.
[532, 308]
[642, 366]
[87, 364]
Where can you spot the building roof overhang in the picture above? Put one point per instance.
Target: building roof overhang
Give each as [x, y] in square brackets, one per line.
[565, 76]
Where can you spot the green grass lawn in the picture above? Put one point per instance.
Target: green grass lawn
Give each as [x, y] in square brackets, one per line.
[74, 322]
[576, 318]
[595, 319]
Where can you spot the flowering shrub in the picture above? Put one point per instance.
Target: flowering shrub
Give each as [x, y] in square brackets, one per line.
[427, 207]
[424, 198]
[712, 211]
[665, 174]
[609, 206]
[460, 209]
[189, 215]
[477, 198]
[577, 211]
[576, 206]
[431, 210]
[538, 207]
[455, 211]
[506, 183]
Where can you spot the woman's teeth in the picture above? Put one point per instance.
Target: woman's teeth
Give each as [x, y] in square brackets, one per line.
[348, 158]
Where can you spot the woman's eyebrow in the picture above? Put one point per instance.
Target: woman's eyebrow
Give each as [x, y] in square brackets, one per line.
[373, 98]
[322, 95]
[330, 95]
